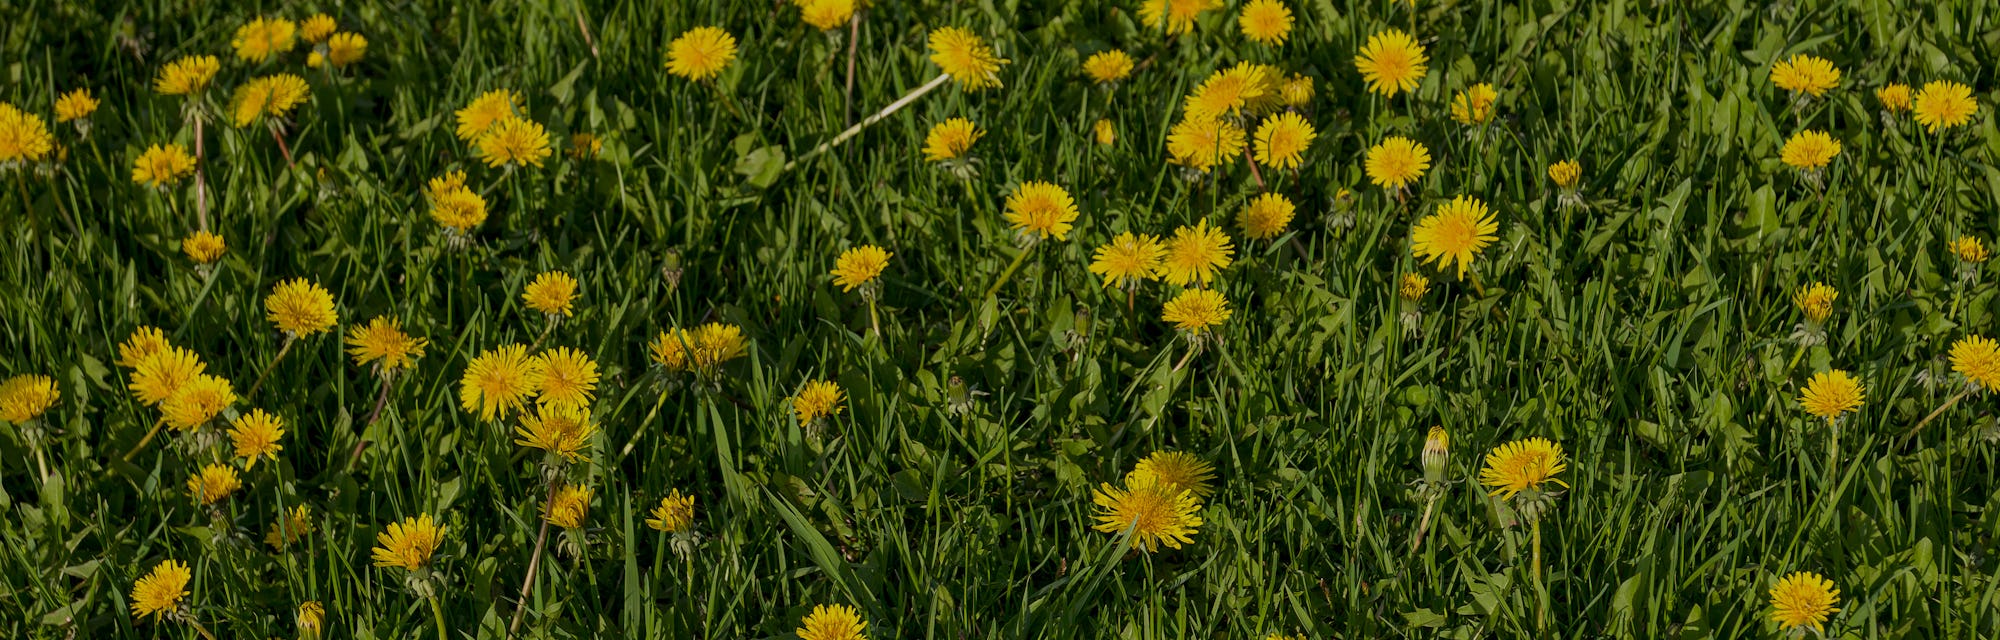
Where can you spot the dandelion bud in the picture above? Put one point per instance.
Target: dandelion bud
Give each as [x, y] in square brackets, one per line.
[1436, 452]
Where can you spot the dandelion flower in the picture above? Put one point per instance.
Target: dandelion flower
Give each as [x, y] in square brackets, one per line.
[261, 38]
[560, 429]
[1042, 209]
[382, 341]
[197, 402]
[1103, 132]
[459, 210]
[291, 525]
[1195, 254]
[1943, 104]
[816, 399]
[1246, 86]
[1810, 75]
[568, 506]
[1178, 470]
[1895, 98]
[1396, 162]
[213, 484]
[487, 110]
[316, 28]
[1282, 140]
[1978, 359]
[553, 293]
[701, 53]
[1803, 599]
[300, 308]
[1155, 513]
[1296, 91]
[568, 377]
[1810, 150]
[1437, 451]
[1455, 234]
[161, 590]
[186, 76]
[1201, 143]
[499, 381]
[670, 349]
[1474, 105]
[408, 544]
[832, 622]
[950, 139]
[203, 247]
[142, 344]
[1522, 465]
[255, 435]
[1265, 21]
[966, 58]
[1392, 62]
[266, 97]
[1196, 310]
[716, 343]
[1565, 173]
[1828, 394]
[514, 142]
[162, 166]
[26, 397]
[826, 14]
[584, 146]
[1175, 16]
[158, 376]
[1968, 249]
[859, 266]
[75, 105]
[1128, 259]
[674, 514]
[1266, 216]
[1816, 301]
[1413, 286]
[1108, 66]
[23, 136]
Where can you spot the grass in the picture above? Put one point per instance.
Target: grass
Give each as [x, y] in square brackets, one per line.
[1650, 332]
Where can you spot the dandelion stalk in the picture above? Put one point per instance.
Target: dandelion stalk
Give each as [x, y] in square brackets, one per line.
[873, 324]
[1423, 525]
[853, 44]
[204, 630]
[1541, 591]
[200, 183]
[287, 348]
[145, 440]
[1009, 273]
[1934, 414]
[437, 613]
[1253, 168]
[534, 565]
[278, 135]
[879, 115]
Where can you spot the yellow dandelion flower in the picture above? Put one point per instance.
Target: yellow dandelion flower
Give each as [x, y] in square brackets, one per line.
[1175, 16]
[1282, 140]
[1108, 66]
[444, 184]
[213, 484]
[859, 266]
[261, 38]
[300, 307]
[487, 110]
[1455, 234]
[1178, 470]
[1816, 301]
[1392, 62]
[1810, 75]
[186, 76]
[951, 139]
[143, 343]
[1978, 359]
[1810, 150]
[161, 590]
[701, 53]
[966, 57]
[568, 506]
[1803, 599]
[346, 48]
[266, 97]
[1565, 173]
[1266, 216]
[515, 142]
[1195, 254]
[1296, 91]
[1437, 451]
[1396, 162]
[316, 28]
[382, 341]
[197, 402]
[1522, 465]
[1155, 513]
[1042, 209]
[162, 166]
[255, 435]
[716, 343]
[1103, 132]
[568, 377]
[560, 429]
[1128, 259]
[1828, 394]
[826, 14]
[1968, 249]
[674, 514]
[75, 105]
[552, 293]
[671, 349]
[309, 619]
[1202, 143]
[1474, 105]
[817, 399]
[1943, 104]
[584, 146]
[1196, 310]
[1265, 21]
[23, 136]
[408, 544]
[1412, 286]
[499, 381]
[1244, 87]
[1895, 98]
[26, 397]
[832, 622]
[161, 374]
[459, 210]
[290, 525]
[203, 247]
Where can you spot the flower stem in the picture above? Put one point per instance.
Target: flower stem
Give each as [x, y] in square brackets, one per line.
[437, 613]
[282, 147]
[1423, 525]
[879, 115]
[1009, 273]
[1541, 592]
[873, 323]
[1934, 414]
[200, 629]
[200, 182]
[146, 440]
[534, 563]
[287, 348]
[853, 44]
